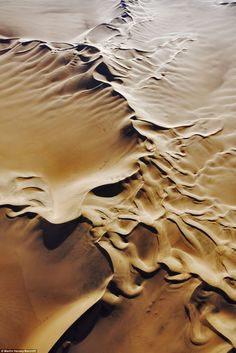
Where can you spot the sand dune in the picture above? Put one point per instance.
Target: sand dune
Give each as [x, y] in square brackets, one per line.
[117, 183]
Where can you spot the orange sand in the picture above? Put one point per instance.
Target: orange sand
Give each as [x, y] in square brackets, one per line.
[117, 176]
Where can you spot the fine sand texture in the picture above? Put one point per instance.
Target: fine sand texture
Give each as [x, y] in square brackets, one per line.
[117, 176]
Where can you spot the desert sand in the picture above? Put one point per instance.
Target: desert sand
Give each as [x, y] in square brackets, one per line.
[117, 176]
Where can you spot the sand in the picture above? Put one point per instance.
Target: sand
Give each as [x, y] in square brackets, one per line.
[117, 176]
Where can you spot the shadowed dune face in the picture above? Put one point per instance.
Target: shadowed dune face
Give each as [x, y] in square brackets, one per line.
[117, 179]
[45, 288]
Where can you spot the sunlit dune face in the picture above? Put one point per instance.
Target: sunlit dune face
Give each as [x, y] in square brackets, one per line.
[54, 20]
[63, 133]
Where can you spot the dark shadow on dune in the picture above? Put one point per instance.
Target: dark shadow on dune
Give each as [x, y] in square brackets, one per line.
[219, 291]
[114, 289]
[129, 131]
[55, 234]
[104, 71]
[105, 254]
[80, 328]
[29, 215]
[86, 47]
[146, 275]
[83, 326]
[109, 190]
[233, 3]
[148, 227]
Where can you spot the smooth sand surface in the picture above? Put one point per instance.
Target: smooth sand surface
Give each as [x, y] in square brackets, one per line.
[117, 176]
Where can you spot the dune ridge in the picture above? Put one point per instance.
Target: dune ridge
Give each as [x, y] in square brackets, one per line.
[120, 145]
